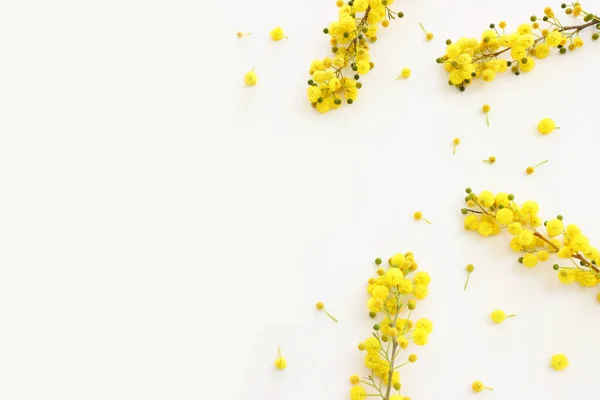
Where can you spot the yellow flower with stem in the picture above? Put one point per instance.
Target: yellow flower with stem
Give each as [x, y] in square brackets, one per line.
[404, 74]
[490, 160]
[497, 51]
[321, 307]
[418, 215]
[428, 35]
[394, 332]
[277, 34]
[240, 35]
[280, 362]
[350, 37]
[531, 169]
[477, 387]
[455, 142]
[486, 110]
[250, 79]
[498, 316]
[470, 268]
[488, 214]
[546, 126]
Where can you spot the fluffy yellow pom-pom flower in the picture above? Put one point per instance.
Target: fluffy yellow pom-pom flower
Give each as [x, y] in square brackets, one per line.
[498, 316]
[559, 362]
[405, 73]
[420, 337]
[280, 362]
[455, 142]
[358, 393]
[504, 216]
[546, 126]
[418, 215]
[490, 160]
[250, 79]
[354, 379]
[530, 260]
[277, 34]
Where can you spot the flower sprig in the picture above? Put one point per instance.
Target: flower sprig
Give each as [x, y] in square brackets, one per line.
[393, 292]
[358, 21]
[490, 214]
[470, 58]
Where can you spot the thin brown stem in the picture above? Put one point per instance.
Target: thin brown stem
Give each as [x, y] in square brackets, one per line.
[539, 235]
[577, 256]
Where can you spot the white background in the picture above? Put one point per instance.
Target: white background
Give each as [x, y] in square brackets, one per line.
[164, 228]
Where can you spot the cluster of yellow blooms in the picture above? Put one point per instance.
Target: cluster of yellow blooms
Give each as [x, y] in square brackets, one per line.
[358, 21]
[392, 292]
[489, 214]
[471, 58]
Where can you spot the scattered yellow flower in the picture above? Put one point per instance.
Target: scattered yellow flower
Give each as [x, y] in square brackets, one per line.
[559, 362]
[354, 379]
[470, 268]
[428, 35]
[498, 316]
[277, 34]
[280, 362]
[546, 126]
[250, 78]
[455, 142]
[418, 215]
[490, 160]
[530, 170]
[321, 307]
[405, 73]
[486, 110]
[241, 35]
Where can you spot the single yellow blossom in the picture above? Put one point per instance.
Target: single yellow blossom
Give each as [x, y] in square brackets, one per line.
[418, 215]
[455, 142]
[277, 34]
[250, 79]
[531, 169]
[559, 362]
[546, 126]
[321, 307]
[280, 362]
[498, 316]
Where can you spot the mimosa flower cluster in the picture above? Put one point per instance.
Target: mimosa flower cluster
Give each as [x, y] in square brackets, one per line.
[471, 58]
[394, 293]
[349, 37]
[536, 240]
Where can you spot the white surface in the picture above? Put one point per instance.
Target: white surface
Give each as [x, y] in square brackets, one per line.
[156, 246]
